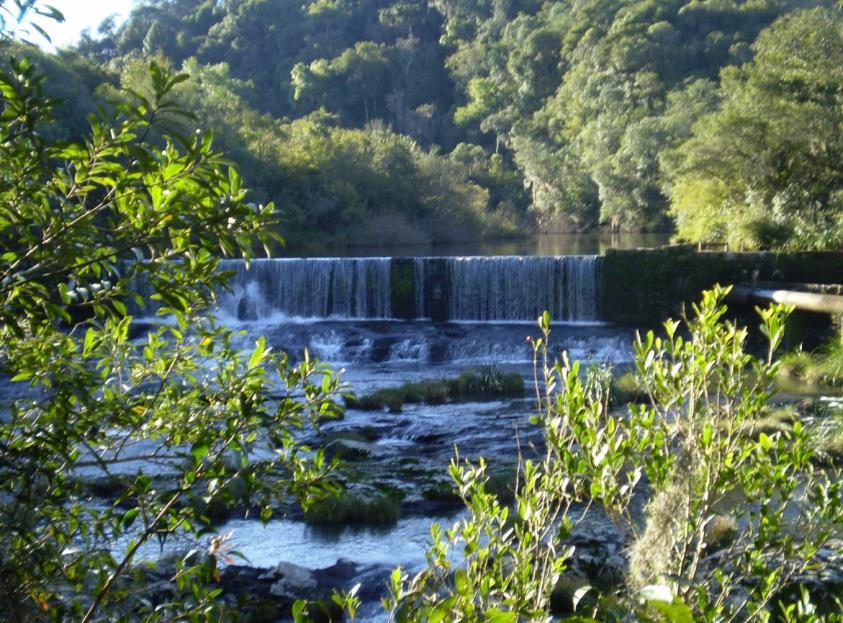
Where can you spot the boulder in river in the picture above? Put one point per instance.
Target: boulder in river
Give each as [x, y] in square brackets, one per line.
[293, 580]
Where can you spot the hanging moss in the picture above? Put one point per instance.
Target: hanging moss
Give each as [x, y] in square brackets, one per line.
[402, 288]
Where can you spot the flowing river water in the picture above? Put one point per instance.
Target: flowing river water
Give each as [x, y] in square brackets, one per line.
[341, 310]
[458, 312]
[444, 315]
[388, 321]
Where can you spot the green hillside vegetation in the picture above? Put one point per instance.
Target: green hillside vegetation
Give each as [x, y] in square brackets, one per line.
[735, 526]
[406, 121]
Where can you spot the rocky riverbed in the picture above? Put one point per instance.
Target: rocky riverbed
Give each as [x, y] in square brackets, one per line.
[395, 468]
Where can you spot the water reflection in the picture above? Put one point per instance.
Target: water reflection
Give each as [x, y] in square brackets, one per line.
[548, 244]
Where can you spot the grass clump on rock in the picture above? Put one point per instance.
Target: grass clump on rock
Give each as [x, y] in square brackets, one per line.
[821, 368]
[486, 383]
[354, 508]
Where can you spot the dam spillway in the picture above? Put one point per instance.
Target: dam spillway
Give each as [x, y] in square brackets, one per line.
[465, 289]
[342, 288]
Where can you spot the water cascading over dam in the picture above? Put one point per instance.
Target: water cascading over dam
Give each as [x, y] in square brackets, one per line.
[470, 289]
[309, 288]
[511, 288]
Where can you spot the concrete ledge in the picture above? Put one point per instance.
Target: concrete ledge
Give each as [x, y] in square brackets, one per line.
[645, 286]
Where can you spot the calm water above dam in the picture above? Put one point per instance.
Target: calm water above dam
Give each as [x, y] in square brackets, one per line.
[594, 243]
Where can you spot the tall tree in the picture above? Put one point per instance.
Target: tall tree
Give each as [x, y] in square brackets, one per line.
[765, 169]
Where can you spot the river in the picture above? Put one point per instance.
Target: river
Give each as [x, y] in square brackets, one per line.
[385, 320]
[345, 311]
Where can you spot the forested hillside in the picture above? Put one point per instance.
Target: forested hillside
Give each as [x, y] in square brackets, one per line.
[409, 121]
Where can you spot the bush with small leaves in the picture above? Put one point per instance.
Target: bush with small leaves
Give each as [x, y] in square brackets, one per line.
[730, 522]
[179, 414]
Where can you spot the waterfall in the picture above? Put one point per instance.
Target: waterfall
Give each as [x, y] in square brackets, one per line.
[581, 278]
[470, 289]
[503, 288]
[420, 282]
[348, 288]
[514, 288]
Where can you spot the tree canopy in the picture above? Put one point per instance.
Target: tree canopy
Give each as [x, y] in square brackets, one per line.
[596, 113]
[765, 168]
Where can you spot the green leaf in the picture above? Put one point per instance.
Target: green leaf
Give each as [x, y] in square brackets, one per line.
[461, 582]
[494, 615]
[298, 611]
[199, 450]
[129, 517]
[438, 613]
[673, 612]
[258, 354]
[708, 433]
[88, 345]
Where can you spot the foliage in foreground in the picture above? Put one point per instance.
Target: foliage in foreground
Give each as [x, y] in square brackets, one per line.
[686, 454]
[175, 417]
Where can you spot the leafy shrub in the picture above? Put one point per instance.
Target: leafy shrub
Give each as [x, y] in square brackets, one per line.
[71, 214]
[707, 483]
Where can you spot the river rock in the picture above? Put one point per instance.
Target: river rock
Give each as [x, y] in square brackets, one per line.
[268, 594]
[381, 349]
[246, 309]
[349, 449]
[294, 580]
[599, 553]
[337, 576]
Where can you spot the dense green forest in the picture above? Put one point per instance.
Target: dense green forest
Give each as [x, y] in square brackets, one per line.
[680, 486]
[408, 121]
